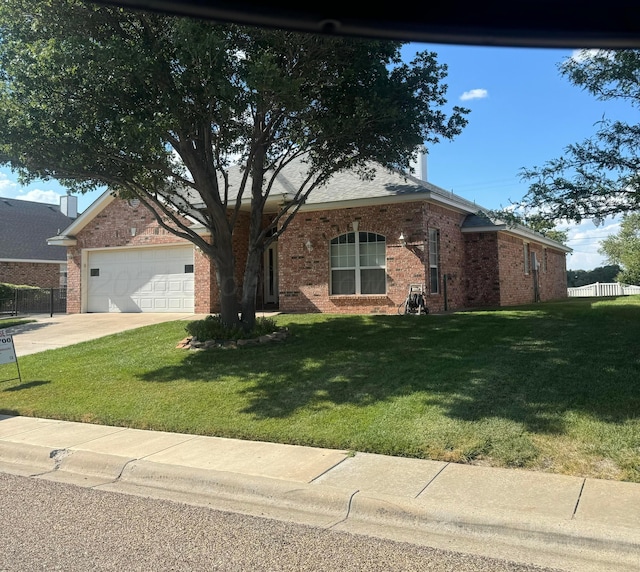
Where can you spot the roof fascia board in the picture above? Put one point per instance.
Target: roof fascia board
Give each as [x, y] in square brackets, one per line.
[537, 237]
[487, 228]
[62, 241]
[520, 232]
[374, 201]
[33, 261]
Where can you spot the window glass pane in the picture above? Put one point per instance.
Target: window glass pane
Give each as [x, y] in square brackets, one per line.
[343, 255]
[372, 281]
[362, 237]
[433, 280]
[380, 252]
[434, 255]
[343, 282]
[351, 237]
[372, 254]
[365, 254]
[433, 248]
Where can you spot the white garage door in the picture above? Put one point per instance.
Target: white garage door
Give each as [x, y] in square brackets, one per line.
[141, 280]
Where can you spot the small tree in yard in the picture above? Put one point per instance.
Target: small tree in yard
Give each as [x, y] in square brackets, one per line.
[624, 248]
[160, 108]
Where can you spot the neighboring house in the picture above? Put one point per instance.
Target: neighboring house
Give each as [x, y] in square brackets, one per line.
[355, 247]
[25, 256]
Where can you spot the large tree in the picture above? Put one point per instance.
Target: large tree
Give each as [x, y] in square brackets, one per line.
[601, 175]
[623, 248]
[160, 108]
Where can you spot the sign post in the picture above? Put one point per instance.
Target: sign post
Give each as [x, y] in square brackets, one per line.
[8, 352]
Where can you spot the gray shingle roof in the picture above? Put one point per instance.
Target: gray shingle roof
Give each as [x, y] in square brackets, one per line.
[25, 227]
[478, 221]
[348, 185]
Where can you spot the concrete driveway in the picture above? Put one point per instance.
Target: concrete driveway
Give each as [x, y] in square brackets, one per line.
[68, 329]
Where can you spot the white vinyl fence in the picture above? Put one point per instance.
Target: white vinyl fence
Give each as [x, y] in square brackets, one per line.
[603, 289]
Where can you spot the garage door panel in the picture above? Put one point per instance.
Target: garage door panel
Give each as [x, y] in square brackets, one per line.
[141, 280]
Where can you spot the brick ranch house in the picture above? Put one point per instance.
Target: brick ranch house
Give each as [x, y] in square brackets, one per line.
[355, 246]
[25, 257]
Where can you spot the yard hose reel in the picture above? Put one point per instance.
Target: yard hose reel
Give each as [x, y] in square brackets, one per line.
[415, 302]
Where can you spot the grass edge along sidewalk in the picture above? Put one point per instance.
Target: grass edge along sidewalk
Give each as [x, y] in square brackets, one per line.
[550, 387]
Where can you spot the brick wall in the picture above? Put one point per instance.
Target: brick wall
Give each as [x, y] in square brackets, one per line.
[480, 269]
[553, 279]
[112, 228]
[516, 287]
[304, 276]
[43, 275]
[452, 262]
[482, 281]
[204, 280]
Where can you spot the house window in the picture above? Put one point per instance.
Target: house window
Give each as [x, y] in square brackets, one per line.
[358, 264]
[434, 261]
[527, 258]
[63, 276]
[544, 260]
[94, 272]
[188, 268]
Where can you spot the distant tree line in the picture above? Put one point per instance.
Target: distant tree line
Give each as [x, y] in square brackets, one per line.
[577, 278]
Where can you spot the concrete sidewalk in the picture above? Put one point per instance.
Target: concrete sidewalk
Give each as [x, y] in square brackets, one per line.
[551, 520]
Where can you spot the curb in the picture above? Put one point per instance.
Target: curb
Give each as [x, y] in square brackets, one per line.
[26, 460]
[617, 549]
[513, 536]
[258, 496]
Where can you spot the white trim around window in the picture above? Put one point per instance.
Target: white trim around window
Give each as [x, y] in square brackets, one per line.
[358, 264]
[434, 261]
[527, 257]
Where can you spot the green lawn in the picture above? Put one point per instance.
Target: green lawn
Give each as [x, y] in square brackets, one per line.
[9, 322]
[551, 387]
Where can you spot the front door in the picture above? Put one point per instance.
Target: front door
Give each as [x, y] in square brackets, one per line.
[271, 274]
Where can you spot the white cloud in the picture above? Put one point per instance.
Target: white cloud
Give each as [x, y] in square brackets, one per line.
[474, 94]
[7, 186]
[38, 196]
[585, 239]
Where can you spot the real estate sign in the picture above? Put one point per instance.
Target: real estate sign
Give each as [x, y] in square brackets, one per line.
[7, 349]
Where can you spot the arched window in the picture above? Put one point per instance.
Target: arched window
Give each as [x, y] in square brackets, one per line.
[358, 264]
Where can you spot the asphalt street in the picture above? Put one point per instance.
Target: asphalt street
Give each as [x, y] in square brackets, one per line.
[54, 526]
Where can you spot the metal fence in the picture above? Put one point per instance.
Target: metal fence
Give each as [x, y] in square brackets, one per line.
[34, 301]
[600, 289]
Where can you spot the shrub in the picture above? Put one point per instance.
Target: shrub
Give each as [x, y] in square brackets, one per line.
[212, 328]
[7, 290]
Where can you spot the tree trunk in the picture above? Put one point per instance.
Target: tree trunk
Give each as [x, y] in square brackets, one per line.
[256, 244]
[250, 287]
[227, 288]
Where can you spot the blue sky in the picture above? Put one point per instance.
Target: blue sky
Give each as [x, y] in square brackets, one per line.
[523, 113]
